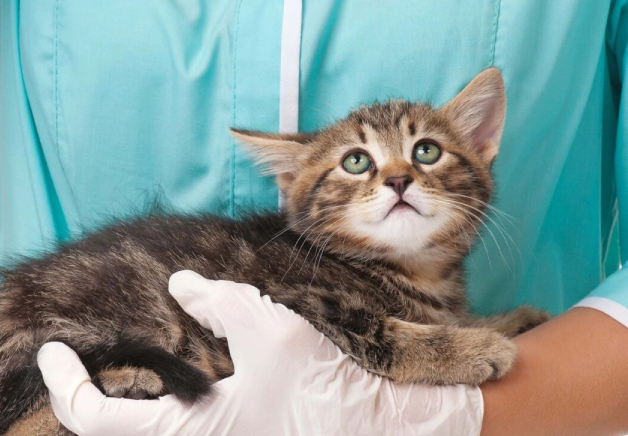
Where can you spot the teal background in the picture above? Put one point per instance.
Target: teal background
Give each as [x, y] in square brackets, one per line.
[105, 104]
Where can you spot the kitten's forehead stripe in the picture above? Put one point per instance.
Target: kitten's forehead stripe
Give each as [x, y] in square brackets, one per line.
[362, 135]
[412, 128]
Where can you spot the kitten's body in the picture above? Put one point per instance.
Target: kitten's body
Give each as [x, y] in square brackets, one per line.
[404, 318]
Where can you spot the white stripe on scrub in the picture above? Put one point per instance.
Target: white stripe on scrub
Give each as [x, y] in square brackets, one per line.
[289, 69]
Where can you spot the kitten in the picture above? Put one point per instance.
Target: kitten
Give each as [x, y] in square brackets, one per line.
[381, 210]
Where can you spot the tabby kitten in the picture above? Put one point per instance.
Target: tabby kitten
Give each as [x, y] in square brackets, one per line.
[381, 210]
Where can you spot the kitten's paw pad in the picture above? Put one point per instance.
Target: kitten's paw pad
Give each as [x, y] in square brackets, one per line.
[528, 317]
[489, 356]
[134, 383]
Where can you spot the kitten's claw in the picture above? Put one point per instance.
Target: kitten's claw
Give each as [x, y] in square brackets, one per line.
[137, 394]
[528, 317]
[491, 358]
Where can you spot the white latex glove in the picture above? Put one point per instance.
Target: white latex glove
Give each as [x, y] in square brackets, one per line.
[289, 380]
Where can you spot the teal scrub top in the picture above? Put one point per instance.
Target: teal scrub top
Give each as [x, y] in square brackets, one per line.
[106, 104]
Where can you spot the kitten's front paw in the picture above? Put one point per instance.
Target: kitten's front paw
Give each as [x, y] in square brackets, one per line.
[482, 355]
[438, 354]
[525, 318]
[127, 382]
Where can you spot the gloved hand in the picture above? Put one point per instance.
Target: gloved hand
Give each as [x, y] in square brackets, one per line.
[289, 380]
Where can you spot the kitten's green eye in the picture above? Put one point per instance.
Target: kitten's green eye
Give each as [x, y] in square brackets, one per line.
[357, 163]
[426, 153]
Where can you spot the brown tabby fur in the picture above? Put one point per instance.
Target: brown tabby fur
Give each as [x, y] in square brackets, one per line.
[389, 291]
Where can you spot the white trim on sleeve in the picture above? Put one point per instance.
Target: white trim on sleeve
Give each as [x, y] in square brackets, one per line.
[615, 310]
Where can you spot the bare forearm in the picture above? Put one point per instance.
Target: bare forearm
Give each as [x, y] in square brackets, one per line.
[570, 378]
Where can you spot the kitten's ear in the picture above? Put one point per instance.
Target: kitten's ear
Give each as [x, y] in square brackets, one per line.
[479, 112]
[276, 152]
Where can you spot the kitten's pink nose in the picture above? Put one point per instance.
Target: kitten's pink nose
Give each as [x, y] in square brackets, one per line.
[399, 184]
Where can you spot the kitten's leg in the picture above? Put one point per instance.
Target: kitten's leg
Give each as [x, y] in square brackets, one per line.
[207, 354]
[435, 354]
[446, 354]
[128, 382]
[513, 323]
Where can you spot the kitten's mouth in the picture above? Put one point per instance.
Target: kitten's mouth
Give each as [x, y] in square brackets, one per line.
[401, 206]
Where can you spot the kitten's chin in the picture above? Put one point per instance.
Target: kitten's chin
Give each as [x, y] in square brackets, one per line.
[403, 231]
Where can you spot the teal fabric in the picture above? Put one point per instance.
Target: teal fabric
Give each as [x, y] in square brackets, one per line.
[105, 104]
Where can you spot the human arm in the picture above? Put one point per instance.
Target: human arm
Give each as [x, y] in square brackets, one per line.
[570, 378]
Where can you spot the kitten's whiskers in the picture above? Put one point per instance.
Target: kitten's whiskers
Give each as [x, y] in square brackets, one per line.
[466, 209]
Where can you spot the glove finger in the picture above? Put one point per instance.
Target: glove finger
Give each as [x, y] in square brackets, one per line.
[83, 409]
[254, 325]
[220, 304]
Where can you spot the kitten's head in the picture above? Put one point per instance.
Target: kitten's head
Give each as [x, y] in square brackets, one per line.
[393, 180]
